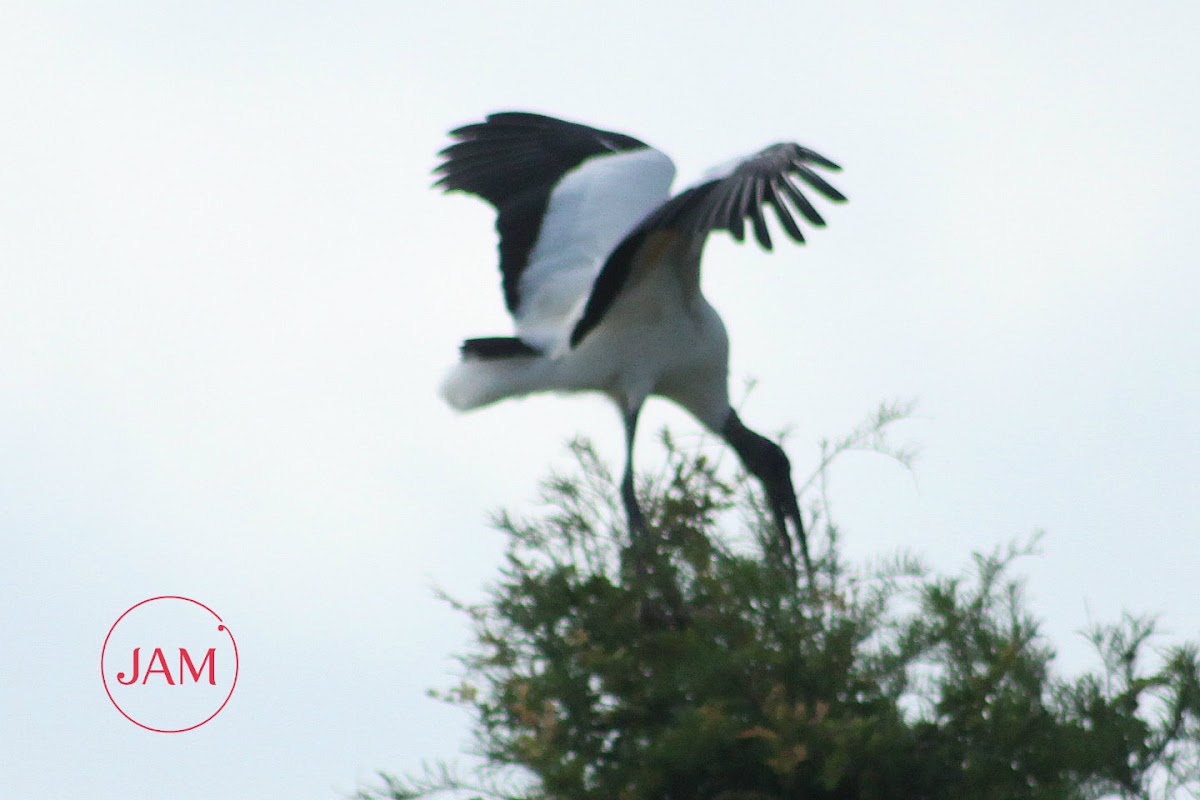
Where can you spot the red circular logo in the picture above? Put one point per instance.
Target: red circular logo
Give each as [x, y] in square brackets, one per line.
[169, 664]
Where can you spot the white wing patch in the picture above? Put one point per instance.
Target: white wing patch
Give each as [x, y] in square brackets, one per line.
[590, 211]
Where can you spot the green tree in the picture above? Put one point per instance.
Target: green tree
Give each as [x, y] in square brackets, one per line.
[882, 681]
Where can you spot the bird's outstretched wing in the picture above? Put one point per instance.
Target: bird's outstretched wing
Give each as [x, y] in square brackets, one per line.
[723, 200]
[564, 193]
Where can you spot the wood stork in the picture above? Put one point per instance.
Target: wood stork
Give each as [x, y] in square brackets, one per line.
[600, 270]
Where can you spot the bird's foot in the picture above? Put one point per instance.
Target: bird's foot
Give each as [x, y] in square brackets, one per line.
[655, 613]
[660, 603]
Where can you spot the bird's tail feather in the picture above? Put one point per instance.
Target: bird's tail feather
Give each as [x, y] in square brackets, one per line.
[475, 383]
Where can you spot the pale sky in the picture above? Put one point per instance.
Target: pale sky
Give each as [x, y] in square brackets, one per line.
[227, 294]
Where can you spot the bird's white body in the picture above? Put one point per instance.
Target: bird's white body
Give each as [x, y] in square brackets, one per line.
[661, 337]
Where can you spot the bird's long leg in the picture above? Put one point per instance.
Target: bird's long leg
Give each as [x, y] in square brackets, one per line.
[640, 543]
[766, 461]
[637, 522]
[662, 602]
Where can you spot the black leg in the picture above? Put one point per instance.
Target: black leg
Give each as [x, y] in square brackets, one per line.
[640, 543]
[662, 604]
[637, 523]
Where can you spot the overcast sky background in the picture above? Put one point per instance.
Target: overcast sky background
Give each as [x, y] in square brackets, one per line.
[227, 295]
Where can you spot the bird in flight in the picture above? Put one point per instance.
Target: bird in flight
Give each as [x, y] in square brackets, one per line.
[600, 268]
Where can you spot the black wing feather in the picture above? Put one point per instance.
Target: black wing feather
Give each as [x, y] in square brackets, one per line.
[801, 202]
[782, 213]
[513, 160]
[721, 204]
[817, 182]
[756, 215]
[753, 182]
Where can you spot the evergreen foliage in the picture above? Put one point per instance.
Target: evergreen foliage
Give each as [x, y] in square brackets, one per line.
[877, 682]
